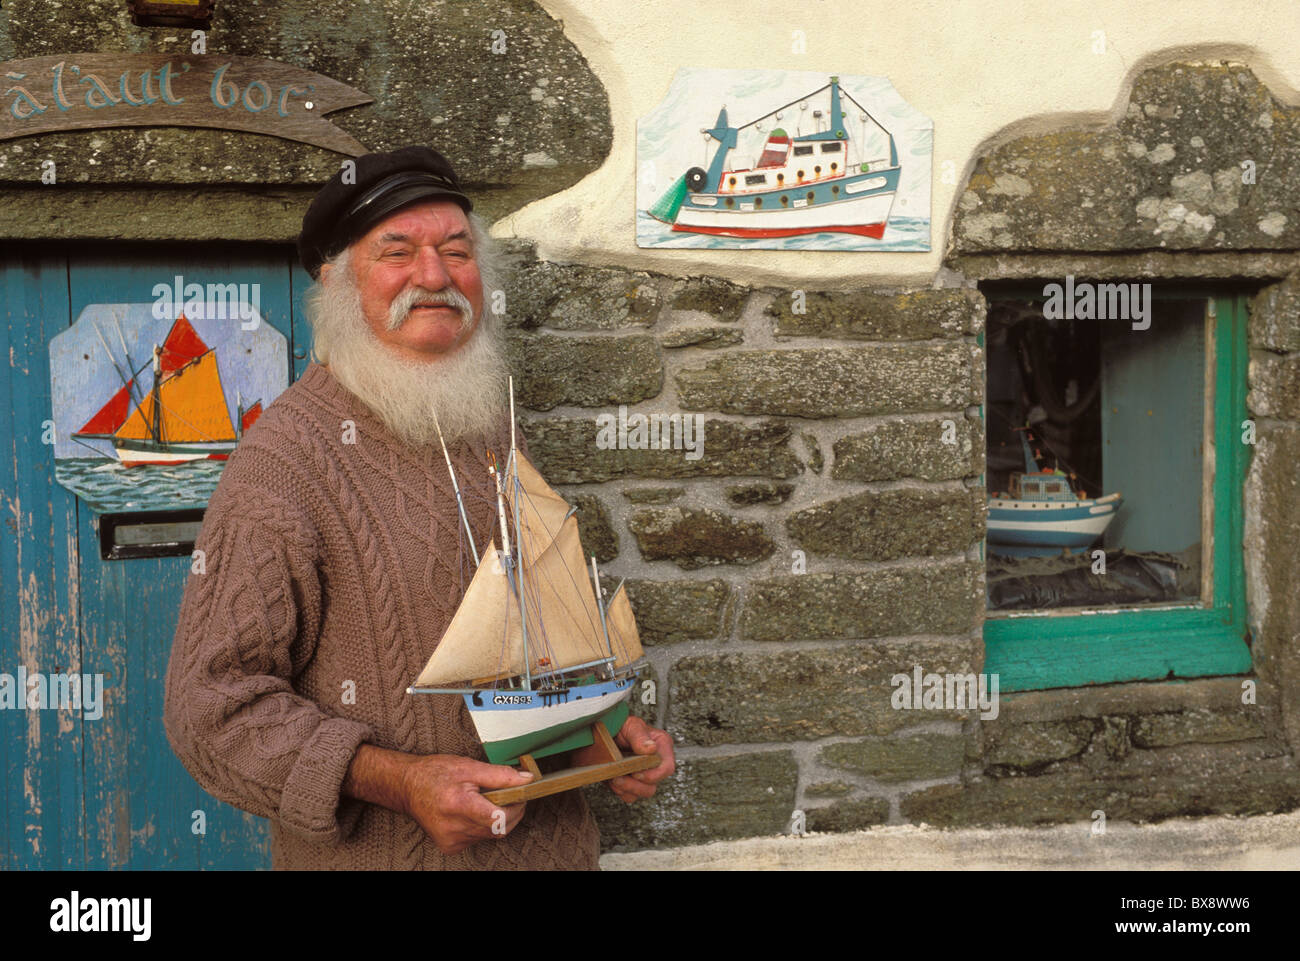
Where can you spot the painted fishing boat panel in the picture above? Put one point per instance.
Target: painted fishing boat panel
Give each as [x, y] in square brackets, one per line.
[844, 179]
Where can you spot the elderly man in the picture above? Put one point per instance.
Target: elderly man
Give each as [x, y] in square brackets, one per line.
[332, 560]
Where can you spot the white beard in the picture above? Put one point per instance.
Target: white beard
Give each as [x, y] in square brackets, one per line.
[465, 389]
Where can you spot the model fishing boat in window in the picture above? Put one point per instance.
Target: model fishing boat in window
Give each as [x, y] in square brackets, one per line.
[544, 665]
[1043, 515]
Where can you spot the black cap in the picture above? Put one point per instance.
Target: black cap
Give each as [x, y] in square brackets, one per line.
[385, 182]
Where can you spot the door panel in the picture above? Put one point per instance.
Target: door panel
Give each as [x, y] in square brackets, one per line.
[106, 793]
[38, 563]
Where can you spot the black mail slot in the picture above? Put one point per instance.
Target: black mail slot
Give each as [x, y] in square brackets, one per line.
[149, 534]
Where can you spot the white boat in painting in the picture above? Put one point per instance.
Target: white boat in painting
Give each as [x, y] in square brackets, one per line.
[533, 649]
[819, 182]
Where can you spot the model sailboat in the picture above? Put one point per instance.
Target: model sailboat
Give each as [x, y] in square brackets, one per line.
[544, 665]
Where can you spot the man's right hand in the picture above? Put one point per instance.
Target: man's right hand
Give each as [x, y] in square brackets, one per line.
[440, 791]
[443, 793]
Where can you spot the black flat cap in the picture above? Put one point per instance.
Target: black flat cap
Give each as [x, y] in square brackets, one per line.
[385, 182]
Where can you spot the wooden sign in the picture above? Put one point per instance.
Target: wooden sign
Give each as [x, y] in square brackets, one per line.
[83, 91]
[170, 13]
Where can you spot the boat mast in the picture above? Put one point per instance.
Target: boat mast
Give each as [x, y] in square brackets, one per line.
[513, 466]
[460, 502]
[155, 427]
[600, 605]
[513, 569]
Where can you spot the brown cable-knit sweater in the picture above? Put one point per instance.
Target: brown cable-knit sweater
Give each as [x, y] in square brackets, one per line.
[328, 566]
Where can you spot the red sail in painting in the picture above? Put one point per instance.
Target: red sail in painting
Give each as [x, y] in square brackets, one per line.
[183, 344]
[111, 416]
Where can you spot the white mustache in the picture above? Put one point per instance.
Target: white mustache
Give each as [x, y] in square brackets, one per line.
[400, 309]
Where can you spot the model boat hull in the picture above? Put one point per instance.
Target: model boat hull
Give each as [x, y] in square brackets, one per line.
[515, 722]
[1024, 528]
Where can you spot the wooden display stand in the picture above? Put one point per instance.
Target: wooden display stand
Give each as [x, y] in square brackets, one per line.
[542, 785]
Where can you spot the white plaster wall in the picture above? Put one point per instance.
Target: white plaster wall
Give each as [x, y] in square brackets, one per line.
[984, 70]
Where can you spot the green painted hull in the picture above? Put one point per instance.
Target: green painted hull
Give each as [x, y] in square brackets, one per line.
[557, 739]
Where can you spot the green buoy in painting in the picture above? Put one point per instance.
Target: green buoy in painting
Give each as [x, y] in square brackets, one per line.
[666, 207]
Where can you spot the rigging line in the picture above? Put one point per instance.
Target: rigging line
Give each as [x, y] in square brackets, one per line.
[140, 403]
[555, 537]
[550, 584]
[845, 93]
[1043, 440]
[111, 359]
[555, 592]
[510, 608]
[505, 641]
[125, 353]
[98, 454]
[505, 621]
[790, 104]
[205, 436]
[545, 646]
[878, 124]
[531, 596]
[533, 593]
[177, 373]
[613, 628]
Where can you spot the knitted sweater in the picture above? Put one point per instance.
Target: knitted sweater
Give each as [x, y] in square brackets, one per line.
[333, 560]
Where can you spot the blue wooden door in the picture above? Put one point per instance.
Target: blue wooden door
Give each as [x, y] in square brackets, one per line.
[105, 793]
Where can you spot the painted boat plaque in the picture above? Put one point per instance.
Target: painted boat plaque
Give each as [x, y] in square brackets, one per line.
[149, 400]
[783, 160]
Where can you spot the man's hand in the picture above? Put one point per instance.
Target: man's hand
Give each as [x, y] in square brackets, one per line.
[440, 791]
[640, 738]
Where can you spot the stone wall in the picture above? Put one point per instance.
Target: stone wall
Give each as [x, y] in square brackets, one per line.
[824, 434]
[496, 87]
[825, 539]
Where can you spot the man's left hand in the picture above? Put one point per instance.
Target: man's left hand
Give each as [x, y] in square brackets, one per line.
[640, 738]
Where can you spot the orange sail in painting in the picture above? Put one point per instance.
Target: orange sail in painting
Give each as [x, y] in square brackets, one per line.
[191, 407]
[183, 417]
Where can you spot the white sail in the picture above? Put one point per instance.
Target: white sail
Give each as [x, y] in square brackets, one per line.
[568, 630]
[542, 511]
[483, 638]
[622, 629]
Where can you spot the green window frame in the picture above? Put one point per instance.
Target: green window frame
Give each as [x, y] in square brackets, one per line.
[1038, 650]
